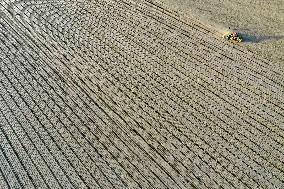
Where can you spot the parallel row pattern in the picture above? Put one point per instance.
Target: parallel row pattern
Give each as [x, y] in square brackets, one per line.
[124, 94]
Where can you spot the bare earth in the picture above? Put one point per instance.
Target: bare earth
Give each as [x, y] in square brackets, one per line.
[261, 22]
[127, 94]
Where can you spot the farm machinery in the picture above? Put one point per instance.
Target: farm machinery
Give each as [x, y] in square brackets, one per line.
[234, 37]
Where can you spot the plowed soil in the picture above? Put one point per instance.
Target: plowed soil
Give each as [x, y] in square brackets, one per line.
[128, 94]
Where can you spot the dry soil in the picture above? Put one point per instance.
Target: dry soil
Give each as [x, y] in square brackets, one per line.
[126, 94]
[261, 22]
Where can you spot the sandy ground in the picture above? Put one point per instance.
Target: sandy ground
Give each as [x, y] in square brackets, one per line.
[124, 94]
[261, 22]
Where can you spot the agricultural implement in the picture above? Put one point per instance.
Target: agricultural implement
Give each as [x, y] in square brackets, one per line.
[234, 37]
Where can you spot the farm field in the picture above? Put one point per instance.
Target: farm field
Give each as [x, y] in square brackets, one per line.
[261, 22]
[128, 94]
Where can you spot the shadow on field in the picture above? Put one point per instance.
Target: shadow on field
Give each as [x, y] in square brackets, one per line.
[253, 36]
[250, 38]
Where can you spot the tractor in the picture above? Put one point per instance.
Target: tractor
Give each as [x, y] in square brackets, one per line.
[234, 37]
